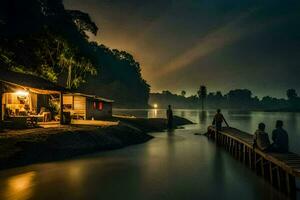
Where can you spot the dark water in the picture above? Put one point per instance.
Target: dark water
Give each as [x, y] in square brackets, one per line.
[178, 165]
[246, 121]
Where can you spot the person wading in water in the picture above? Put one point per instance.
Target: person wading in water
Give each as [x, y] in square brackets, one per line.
[169, 117]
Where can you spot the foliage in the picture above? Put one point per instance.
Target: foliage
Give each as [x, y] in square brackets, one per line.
[120, 79]
[36, 35]
[202, 93]
[291, 94]
[42, 38]
[183, 93]
[241, 99]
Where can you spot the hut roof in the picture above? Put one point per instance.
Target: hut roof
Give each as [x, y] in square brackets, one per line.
[27, 81]
[91, 96]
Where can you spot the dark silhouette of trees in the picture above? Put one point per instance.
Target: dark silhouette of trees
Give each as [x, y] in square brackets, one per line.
[293, 99]
[202, 93]
[42, 38]
[183, 93]
[120, 78]
[238, 99]
[291, 94]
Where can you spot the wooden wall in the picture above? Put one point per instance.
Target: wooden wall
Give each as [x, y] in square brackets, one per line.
[94, 112]
[86, 108]
[76, 105]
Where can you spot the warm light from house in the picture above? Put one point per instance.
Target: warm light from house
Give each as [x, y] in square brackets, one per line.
[155, 105]
[22, 93]
[20, 186]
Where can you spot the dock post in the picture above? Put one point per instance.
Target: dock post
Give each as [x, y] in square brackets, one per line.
[228, 141]
[230, 145]
[61, 113]
[238, 151]
[290, 184]
[262, 168]
[271, 173]
[235, 148]
[244, 154]
[255, 160]
[2, 110]
[250, 158]
[278, 178]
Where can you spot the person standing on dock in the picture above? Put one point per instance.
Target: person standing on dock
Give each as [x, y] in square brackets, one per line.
[169, 117]
[218, 120]
[261, 138]
[280, 139]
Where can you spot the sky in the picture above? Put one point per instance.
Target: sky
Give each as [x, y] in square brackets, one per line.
[223, 44]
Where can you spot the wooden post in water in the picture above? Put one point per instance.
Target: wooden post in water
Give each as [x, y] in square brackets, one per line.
[1, 108]
[250, 158]
[271, 173]
[61, 108]
[262, 168]
[290, 184]
[244, 154]
[278, 178]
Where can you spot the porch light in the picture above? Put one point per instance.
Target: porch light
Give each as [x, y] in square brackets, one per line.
[22, 93]
[155, 106]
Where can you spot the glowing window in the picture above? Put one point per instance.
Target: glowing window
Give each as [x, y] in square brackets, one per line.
[100, 107]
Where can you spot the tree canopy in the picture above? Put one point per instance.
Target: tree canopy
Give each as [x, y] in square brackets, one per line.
[42, 38]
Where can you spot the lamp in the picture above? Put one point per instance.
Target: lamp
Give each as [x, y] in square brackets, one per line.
[22, 93]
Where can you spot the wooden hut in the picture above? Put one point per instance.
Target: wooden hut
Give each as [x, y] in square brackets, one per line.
[22, 96]
[87, 107]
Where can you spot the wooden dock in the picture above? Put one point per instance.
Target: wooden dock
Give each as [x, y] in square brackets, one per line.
[281, 170]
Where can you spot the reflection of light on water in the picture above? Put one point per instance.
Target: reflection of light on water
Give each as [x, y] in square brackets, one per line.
[20, 186]
[153, 113]
[75, 174]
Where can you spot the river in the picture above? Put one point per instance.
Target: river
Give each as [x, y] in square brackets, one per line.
[175, 165]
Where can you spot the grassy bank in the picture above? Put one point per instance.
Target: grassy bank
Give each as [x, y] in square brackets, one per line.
[22, 147]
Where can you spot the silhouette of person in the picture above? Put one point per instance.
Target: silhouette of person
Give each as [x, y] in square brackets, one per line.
[218, 120]
[280, 139]
[169, 117]
[261, 138]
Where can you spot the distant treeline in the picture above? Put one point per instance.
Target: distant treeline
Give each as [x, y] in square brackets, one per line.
[241, 99]
[42, 38]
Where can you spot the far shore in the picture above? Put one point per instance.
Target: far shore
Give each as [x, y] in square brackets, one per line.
[23, 147]
[229, 109]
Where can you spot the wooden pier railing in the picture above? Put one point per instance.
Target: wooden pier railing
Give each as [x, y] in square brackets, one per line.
[280, 170]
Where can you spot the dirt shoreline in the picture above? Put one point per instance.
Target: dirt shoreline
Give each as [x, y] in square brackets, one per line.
[23, 147]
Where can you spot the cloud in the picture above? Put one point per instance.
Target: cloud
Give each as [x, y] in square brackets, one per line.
[213, 41]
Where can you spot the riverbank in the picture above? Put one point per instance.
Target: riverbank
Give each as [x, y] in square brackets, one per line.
[22, 147]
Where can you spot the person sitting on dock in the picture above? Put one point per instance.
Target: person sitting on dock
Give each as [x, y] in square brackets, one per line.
[218, 120]
[280, 139]
[261, 138]
[169, 117]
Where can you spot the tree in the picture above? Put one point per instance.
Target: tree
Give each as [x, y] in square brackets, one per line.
[291, 94]
[183, 93]
[293, 99]
[42, 38]
[202, 93]
[240, 98]
[36, 34]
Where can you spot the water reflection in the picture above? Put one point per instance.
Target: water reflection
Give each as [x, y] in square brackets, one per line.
[244, 120]
[20, 186]
[174, 165]
[202, 117]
